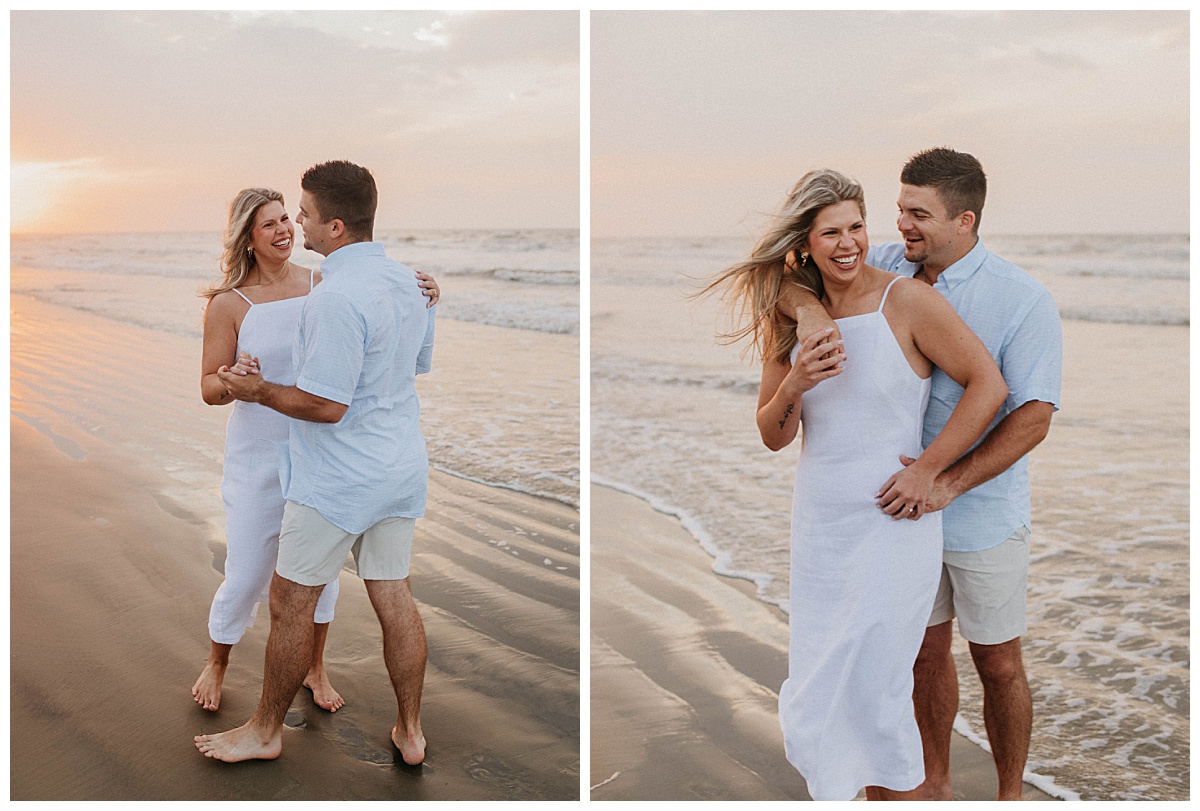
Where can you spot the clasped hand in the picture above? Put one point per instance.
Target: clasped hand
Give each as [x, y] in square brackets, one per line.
[244, 380]
[911, 493]
[904, 495]
[819, 358]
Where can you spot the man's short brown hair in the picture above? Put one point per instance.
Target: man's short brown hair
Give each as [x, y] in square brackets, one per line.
[957, 177]
[343, 191]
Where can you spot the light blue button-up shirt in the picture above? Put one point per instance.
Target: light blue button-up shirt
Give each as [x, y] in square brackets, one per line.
[364, 335]
[1015, 317]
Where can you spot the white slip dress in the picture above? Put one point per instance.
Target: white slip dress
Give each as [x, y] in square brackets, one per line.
[250, 486]
[862, 583]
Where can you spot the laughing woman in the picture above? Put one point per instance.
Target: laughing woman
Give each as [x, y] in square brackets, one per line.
[862, 580]
[255, 309]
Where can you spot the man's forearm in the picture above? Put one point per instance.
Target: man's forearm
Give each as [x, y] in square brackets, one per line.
[794, 299]
[299, 404]
[810, 315]
[1016, 435]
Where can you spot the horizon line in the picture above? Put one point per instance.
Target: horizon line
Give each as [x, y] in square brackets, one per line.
[37, 233]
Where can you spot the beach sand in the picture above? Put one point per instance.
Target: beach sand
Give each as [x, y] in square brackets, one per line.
[116, 551]
[686, 668]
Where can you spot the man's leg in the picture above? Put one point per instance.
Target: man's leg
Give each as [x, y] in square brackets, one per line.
[404, 654]
[1007, 711]
[289, 654]
[935, 700]
[990, 588]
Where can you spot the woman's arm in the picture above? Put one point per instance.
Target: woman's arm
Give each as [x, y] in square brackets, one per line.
[941, 335]
[782, 385]
[219, 346]
[429, 288]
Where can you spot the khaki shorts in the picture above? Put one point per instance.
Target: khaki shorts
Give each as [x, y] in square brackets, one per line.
[986, 591]
[312, 550]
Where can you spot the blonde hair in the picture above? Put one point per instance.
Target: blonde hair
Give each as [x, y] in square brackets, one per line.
[752, 287]
[236, 260]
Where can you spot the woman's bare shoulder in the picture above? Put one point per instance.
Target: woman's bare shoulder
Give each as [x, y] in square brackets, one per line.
[914, 292]
[225, 305]
[301, 273]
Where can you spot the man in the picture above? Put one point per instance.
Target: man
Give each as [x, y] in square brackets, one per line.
[985, 494]
[358, 472]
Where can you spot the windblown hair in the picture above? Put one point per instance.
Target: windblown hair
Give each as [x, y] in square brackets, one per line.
[343, 191]
[236, 260]
[752, 287]
[958, 178]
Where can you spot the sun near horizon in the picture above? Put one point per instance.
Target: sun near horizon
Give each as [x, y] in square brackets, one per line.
[151, 121]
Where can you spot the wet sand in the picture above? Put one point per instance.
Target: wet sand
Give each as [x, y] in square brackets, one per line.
[117, 549]
[686, 666]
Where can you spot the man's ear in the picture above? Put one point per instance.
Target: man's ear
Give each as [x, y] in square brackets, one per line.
[337, 228]
[966, 221]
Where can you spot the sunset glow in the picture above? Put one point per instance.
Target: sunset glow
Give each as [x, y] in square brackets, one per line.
[152, 120]
[39, 190]
[701, 121]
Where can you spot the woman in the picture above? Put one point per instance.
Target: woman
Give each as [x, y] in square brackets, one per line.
[862, 581]
[256, 308]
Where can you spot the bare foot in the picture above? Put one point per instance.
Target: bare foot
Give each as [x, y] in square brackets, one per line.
[243, 743]
[324, 696]
[207, 689]
[931, 791]
[412, 747]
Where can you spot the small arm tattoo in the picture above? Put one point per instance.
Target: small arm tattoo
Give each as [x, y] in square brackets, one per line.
[787, 412]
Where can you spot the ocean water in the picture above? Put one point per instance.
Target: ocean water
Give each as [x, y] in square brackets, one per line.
[525, 281]
[672, 420]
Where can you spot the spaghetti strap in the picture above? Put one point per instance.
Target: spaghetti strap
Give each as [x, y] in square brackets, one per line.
[243, 295]
[887, 290]
[312, 274]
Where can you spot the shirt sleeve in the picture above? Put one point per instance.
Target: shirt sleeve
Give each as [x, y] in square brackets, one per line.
[1032, 360]
[885, 256]
[332, 348]
[425, 358]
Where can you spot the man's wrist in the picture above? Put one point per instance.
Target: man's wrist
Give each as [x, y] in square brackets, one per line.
[264, 393]
[807, 304]
[951, 480]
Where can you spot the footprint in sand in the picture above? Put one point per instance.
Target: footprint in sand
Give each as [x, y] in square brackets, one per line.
[493, 771]
[355, 741]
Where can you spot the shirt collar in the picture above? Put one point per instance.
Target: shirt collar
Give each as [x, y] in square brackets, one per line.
[350, 253]
[963, 269]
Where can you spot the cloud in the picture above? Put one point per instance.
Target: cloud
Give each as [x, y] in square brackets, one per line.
[508, 37]
[431, 34]
[198, 104]
[1047, 100]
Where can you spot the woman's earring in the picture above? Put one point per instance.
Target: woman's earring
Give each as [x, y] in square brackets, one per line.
[250, 250]
[803, 258]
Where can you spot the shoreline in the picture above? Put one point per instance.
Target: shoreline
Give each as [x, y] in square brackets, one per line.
[117, 547]
[701, 659]
[1107, 648]
[518, 445]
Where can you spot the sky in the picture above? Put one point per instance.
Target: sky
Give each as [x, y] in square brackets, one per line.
[153, 120]
[701, 121]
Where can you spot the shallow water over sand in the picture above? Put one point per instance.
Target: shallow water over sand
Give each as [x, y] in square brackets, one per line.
[523, 283]
[1107, 650]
